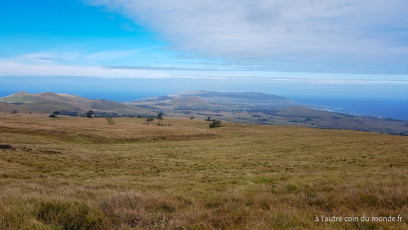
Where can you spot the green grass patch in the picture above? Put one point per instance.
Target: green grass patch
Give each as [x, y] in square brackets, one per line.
[69, 215]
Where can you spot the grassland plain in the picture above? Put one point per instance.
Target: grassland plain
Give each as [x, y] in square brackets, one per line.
[80, 173]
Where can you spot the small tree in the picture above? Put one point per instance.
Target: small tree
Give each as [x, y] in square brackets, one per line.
[160, 116]
[215, 124]
[208, 119]
[90, 114]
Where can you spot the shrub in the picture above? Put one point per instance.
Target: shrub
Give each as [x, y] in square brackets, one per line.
[215, 124]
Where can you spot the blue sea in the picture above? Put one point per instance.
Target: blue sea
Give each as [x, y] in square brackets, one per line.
[386, 108]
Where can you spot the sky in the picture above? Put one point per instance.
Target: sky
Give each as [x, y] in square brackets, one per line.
[353, 48]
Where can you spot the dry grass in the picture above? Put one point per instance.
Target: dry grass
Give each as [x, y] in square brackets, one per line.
[79, 173]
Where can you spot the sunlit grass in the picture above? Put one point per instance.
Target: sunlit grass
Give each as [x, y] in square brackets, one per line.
[80, 173]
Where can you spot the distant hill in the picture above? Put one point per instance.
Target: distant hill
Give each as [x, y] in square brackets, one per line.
[249, 108]
[260, 108]
[217, 101]
[65, 103]
[302, 116]
[232, 97]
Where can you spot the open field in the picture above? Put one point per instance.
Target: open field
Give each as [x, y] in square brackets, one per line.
[80, 173]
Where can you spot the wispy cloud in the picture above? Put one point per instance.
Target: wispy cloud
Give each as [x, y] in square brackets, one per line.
[115, 54]
[55, 70]
[46, 57]
[173, 68]
[83, 56]
[338, 32]
[90, 64]
[12, 68]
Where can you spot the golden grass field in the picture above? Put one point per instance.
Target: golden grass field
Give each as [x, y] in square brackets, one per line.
[80, 173]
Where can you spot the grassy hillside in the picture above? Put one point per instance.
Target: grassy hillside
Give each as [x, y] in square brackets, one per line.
[68, 104]
[121, 173]
[12, 108]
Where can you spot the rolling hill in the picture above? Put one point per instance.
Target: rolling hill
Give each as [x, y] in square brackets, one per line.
[248, 107]
[66, 104]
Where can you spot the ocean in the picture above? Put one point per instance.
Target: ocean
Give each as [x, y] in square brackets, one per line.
[386, 108]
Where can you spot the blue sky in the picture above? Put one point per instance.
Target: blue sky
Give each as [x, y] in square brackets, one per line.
[264, 45]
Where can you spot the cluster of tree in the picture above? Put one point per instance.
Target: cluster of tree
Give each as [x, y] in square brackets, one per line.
[55, 114]
[90, 114]
[214, 123]
[160, 116]
[161, 124]
[158, 123]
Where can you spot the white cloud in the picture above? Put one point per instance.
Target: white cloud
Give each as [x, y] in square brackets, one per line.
[8, 68]
[306, 31]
